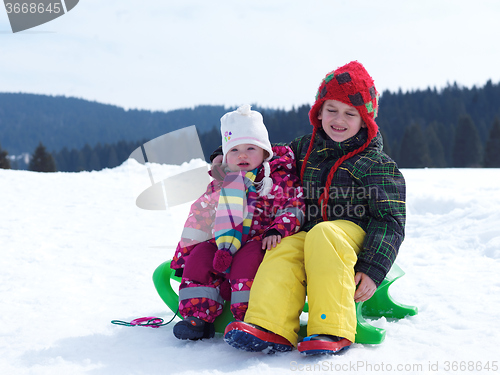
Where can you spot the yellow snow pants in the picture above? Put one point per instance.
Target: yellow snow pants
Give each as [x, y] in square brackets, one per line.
[322, 260]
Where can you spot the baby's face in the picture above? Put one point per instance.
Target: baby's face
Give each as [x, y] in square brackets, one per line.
[244, 157]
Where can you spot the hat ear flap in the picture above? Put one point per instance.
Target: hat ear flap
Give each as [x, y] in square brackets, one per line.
[264, 186]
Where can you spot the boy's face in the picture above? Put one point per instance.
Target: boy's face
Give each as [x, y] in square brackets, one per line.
[339, 120]
[244, 157]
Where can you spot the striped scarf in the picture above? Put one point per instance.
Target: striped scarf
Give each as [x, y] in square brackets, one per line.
[235, 210]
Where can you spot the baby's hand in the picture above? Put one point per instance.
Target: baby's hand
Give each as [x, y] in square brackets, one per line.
[270, 241]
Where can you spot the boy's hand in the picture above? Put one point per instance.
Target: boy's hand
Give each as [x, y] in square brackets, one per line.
[270, 241]
[366, 287]
[217, 169]
[217, 160]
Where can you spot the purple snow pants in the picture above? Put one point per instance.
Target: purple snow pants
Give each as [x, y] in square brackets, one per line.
[203, 290]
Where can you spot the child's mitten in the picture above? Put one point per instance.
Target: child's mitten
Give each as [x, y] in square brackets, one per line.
[222, 260]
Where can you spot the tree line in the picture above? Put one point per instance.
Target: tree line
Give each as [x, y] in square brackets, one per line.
[74, 160]
[453, 127]
[419, 148]
[58, 121]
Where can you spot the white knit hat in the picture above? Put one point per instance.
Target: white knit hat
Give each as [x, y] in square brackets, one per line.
[247, 126]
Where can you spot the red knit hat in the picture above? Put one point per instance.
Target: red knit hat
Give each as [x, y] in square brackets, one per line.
[352, 85]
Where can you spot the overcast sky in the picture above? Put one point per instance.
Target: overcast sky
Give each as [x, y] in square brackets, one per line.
[163, 55]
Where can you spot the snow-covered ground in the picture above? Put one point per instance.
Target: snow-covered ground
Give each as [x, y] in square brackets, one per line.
[77, 253]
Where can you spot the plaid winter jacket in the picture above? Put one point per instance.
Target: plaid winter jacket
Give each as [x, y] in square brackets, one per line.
[281, 211]
[367, 189]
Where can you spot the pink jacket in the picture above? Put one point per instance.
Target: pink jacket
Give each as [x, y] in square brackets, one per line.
[283, 209]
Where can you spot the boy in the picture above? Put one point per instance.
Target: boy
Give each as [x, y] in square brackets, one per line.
[355, 198]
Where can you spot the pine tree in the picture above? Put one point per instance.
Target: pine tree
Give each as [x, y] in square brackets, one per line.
[94, 163]
[110, 158]
[77, 161]
[210, 141]
[87, 155]
[467, 150]
[435, 147]
[41, 160]
[4, 160]
[445, 134]
[492, 150]
[62, 159]
[387, 148]
[413, 151]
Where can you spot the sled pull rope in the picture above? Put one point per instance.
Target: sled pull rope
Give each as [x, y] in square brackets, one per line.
[150, 321]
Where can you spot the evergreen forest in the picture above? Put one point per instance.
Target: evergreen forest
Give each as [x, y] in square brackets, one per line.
[452, 127]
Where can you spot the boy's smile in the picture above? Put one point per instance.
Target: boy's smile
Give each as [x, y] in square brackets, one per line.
[339, 120]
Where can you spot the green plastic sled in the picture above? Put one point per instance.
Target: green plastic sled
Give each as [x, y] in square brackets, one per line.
[380, 304]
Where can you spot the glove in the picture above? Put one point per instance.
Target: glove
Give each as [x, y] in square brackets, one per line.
[222, 260]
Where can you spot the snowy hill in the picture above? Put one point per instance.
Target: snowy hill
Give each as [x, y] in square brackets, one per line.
[77, 253]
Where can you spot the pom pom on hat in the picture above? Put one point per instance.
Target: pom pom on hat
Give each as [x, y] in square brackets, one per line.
[245, 110]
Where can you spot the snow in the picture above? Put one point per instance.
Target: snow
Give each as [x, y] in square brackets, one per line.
[77, 253]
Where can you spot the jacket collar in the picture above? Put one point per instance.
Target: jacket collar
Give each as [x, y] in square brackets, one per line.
[326, 145]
